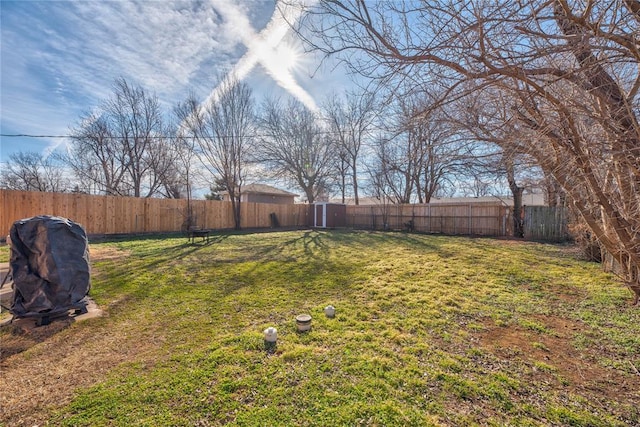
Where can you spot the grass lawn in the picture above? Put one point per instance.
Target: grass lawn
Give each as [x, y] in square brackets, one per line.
[429, 330]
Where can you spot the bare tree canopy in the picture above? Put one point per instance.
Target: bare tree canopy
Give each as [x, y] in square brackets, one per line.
[121, 147]
[418, 152]
[295, 147]
[569, 70]
[223, 131]
[30, 171]
[350, 121]
[485, 116]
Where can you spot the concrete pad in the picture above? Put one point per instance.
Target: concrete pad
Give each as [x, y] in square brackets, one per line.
[28, 323]
[6, 298]
[6, 293]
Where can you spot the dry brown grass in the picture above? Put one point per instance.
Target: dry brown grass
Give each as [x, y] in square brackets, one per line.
[61, 357]
[575, 371]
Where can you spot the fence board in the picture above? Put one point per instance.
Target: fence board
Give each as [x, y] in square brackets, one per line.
[487, 219]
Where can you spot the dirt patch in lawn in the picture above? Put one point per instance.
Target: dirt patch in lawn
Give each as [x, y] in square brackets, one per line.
[47, 375]
[553, 359]
[104, 253]
[18, 338]
[42, 366]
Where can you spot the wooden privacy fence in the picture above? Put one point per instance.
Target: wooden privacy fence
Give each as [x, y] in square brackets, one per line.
[128, 215]
[546, 223]
[487, 219]
[103, 215]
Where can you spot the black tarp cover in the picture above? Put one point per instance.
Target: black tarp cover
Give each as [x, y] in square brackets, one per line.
[49, 265]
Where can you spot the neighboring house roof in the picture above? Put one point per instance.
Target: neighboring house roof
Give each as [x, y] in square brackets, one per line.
[256, 188]
[265, 189]
[533, 199]
[352, 201]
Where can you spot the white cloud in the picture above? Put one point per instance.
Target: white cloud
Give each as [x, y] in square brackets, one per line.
[160, 45]
[60, 59]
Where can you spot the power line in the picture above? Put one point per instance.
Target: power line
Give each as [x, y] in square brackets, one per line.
[259, 135]
[24, 135]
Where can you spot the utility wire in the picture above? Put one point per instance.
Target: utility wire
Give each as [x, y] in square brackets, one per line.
[23, 135]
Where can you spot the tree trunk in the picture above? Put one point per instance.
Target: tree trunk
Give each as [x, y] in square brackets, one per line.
[355, 185]
[516, 191]
[235, 205]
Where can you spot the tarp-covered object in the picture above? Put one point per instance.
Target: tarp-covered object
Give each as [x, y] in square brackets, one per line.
[49, 265]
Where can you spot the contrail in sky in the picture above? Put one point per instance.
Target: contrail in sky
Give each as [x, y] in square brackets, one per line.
[262, 49]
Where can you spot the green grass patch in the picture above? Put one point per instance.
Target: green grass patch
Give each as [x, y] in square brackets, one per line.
[429, 330]
[5, 253]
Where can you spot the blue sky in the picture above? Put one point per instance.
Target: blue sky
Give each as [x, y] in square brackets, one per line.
[59, 59]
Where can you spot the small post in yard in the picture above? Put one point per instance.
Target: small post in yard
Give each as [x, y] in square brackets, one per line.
[303, 322]
[330, 311]
[270, 339]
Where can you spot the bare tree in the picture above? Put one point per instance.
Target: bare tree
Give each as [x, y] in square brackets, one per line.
[392, 170]
[184, 173]
[136, 121]
[485, 116]
[570, 70]
[122, 146]
[476, 187]
[296, 147]
[31, 171]
[223, 131]
[438, 151]
[94, 155]
[419, 154]
[167, 161]
[350, 121]
[341, 166]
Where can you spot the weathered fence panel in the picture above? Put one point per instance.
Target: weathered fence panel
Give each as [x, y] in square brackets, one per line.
[546, 223]
[486, 219]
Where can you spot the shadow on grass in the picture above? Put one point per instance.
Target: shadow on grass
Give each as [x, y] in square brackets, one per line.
[313, 261]
[294, 263]
[307, 262]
